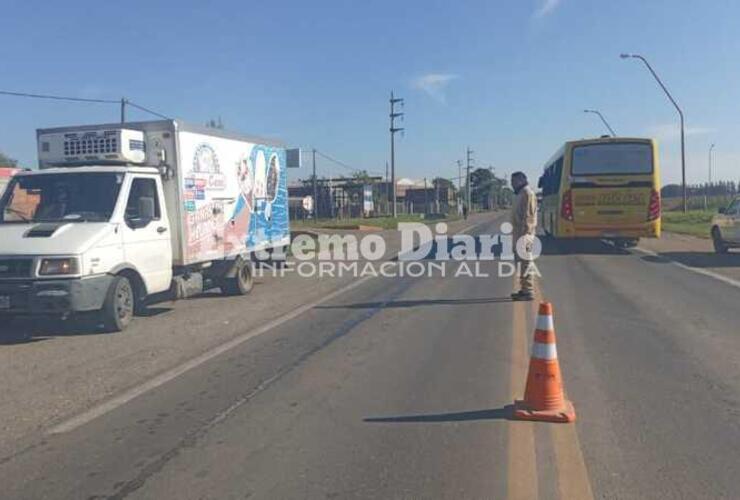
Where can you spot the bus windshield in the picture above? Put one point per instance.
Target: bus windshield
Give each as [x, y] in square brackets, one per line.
[76, 197]
[612, 159]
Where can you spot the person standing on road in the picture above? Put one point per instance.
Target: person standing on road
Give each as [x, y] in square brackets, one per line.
[524, 222]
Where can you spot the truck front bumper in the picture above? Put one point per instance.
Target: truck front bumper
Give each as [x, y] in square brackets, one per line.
[58, 296]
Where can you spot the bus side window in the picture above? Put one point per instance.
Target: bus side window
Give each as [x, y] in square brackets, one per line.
[557, 175]
[546, 182]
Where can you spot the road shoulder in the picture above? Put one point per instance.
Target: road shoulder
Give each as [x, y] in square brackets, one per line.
[692, 253]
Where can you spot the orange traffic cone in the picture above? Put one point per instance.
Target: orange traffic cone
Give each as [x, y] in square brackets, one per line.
[543, 396]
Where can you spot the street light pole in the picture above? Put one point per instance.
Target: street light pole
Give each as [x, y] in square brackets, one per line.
[596, 112]
[709, 183]
[680, 114]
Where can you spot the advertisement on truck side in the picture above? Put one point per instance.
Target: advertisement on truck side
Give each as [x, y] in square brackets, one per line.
[234, 196]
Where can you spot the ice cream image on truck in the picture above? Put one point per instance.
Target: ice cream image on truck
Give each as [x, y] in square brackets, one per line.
[237, 230]
[270, 199]
[117, 213]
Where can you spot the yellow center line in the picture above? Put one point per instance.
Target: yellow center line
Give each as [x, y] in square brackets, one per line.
[573, 479]
[522, 460]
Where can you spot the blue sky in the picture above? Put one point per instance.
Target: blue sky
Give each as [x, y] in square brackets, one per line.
[509, 78]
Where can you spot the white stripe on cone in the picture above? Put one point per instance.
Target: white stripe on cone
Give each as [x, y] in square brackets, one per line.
[544, 322]
[544, 351]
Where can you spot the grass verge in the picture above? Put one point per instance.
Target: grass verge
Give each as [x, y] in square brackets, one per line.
[694, 222]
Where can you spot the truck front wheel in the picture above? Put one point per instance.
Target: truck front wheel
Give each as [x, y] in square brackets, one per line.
[118, 308]
[242, 281]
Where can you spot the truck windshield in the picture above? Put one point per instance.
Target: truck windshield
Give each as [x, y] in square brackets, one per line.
[72, 197]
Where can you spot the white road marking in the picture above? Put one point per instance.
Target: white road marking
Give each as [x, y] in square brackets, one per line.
[704, 272]
[175, 372]
[171, 374]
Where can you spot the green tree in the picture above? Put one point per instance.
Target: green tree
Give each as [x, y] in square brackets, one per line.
[362, 177]
[442, 183]
[482, 184]
[7, 161]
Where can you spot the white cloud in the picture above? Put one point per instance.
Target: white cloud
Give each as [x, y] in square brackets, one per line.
[545, 7]
[434, 84]
[669, 132]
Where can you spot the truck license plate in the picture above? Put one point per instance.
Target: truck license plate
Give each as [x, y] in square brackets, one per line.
[4, 302]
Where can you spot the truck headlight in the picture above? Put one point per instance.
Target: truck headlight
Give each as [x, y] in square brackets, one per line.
[54, 267]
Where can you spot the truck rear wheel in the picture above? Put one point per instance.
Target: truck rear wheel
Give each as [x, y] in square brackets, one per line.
[118, 308]
[242, 281]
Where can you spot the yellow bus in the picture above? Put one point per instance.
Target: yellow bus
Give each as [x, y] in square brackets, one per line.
[606, 188]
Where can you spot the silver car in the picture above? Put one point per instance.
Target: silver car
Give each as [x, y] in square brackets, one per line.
[726, 227]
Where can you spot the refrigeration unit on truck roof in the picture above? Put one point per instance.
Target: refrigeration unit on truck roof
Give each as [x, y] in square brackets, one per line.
[100, 146]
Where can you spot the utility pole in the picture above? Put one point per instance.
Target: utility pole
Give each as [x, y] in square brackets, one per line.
[387, 191]
[436, 196]
[315, 188]
[491, 193]
[393, 130]
[331, 198]
[469, 160]
[123, 110]
[459, 187]
[426, 198]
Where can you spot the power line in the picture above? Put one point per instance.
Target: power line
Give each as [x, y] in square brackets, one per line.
[342, 164]
[57, 97]
[123, 102]
[334, 160]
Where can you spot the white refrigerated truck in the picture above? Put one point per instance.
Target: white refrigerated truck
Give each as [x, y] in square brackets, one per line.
[118, 213]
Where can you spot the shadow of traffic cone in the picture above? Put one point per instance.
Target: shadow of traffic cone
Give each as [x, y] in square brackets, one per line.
[543, 397]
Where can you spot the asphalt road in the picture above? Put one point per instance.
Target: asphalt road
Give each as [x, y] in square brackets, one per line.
[397, 388]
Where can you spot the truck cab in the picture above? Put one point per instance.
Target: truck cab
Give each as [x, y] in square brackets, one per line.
[76, 239]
